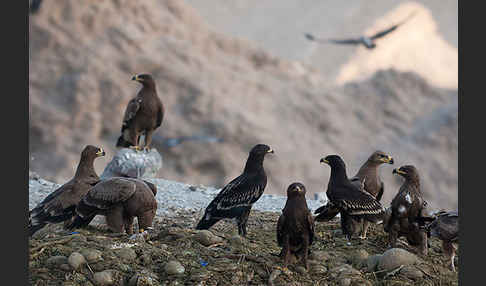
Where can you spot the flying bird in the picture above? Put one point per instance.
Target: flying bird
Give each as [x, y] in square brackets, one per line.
[120, 200]
[446, 228]
[60, 205]
[238, 196]
[407, 209]
[352, 202]
[368, 42]
[295, 226]
[143, 115]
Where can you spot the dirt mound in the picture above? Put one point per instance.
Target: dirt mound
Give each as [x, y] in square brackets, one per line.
[251, 261]
[414, 46]
[83, 54]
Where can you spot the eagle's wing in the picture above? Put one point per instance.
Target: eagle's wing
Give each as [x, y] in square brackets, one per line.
[130, 112]
[280, 226]
[55, 207]
[311, 37]
[392, 28]
[380, 192]
[356, 202]
[160, 115]
[239, 192]
[326, 212]
[108, 193]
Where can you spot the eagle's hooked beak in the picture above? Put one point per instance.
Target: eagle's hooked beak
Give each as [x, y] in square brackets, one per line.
[100, 152]
[388, 159]
[398, 171]
[136, 78]
[270, 151]
[324, 161]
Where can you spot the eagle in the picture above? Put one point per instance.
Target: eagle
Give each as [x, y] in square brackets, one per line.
[60, 205]
[295, 226]
[367, 41]
[367, 179]
[120, 200]
[143, 115]
[238, 196]
[407, 211]
[351, 201]
[445, 227]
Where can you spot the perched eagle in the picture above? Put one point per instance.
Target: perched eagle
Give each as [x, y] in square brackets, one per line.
[353, 202]
[59, 205]
[369, 177]
[295, 226]
[407, 209]
[236, 198]
[446, 228]
[143, 115]
[119, 200]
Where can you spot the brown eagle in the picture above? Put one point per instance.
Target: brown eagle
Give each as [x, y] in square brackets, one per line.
[59, 205]
[143, 115]
[119, 200]
[446, 228]
[407, 209]
[238, 196]
[369, 177]
[351, 201]
[295, 226]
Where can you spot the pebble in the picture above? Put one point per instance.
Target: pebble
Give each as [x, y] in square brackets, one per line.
[393, 258]
[301, 270]
[318, 269]
[127, 254]
[345, 282]
[174, 267]
[75, 260]
[141, 280]
[359, 258]
[56, 260]
[91, 255]
[343, 270]
[207, 238]
[372, 262]
[321, 256]
[411, 272]
[104, 278]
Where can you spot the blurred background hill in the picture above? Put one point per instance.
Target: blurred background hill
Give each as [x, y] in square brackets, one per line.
[243, 71]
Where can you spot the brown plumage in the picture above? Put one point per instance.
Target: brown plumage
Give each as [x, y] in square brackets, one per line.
[407, 210]
[120, 200]
[295, 226]
[369, 177]
[143, 115]
[352, 201]
[59, 205]
[446, 228]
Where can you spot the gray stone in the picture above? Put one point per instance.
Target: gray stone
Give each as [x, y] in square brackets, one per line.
[56, 260]
[321, 256]
[75, 260]
[104, 278]
[135, 164]
[411, 272]
[206, 238]
[372, 262]
[174, 268]
[126, 254]
[343, 271]
[345, 282]
[393, 258]
[91, 255]
[359, 257]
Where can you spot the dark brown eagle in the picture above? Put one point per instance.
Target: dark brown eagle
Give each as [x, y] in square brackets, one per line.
[59, 205]
[295, 226]
[119, 200]
[238, 196]
[143, 115]
[351, 201]
[446, 228]
[407, 209]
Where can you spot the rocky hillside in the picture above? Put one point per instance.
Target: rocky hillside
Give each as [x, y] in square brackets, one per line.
[83, 54]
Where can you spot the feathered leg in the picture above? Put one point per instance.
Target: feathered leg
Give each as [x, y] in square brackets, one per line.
[242, 221]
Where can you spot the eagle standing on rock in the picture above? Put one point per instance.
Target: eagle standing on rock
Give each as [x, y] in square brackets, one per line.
[351, 201]
[295, 226]
[143, 115]
[60, 205]
[407, 209]
[236, 198]
[119, 200]
[446, 228]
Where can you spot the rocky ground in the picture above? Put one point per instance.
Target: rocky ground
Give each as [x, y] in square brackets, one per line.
[175, 254]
